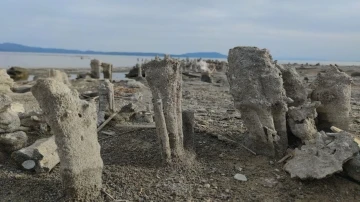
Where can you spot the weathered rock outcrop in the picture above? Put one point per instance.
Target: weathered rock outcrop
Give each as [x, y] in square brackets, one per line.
[293, 85]
[18, 73]
[107, 70]
[258, 92]
[106, 100]
[95, 68]
[6, 83]
[73, 122]
[333, 90]
[322, 158]
[164, 79]
[9, 120]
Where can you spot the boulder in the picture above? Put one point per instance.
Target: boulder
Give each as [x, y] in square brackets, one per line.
[352, 168]
[43, 152]
[18, 73]
[324, 157]
[6, 83]
[13, 141]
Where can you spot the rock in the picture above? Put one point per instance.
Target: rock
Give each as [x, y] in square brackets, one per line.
[17, 107]
[269, 182]
[293, 85]
[207, 185]
[352, 168]
[257, 88]
[73, 122]
[9, 120]
[29, 164]
[322, 158]
[301, 121]
[13, 141]
[95, 68]
[43, 152]
[18, 73]
[60, 76]
[6, 83]
[333, 90]
[240, 177]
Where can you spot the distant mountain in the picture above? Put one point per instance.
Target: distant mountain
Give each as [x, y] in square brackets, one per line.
[12, 47]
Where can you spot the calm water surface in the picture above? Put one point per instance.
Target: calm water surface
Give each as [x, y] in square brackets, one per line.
[46, 60]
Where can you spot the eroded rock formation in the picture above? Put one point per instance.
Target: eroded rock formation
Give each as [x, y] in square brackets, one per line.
[293, 85]
[95, 68]
[107, 70]
[257, 88]
[6, 83]
[333, 90]
[73, 122]
[164, 79]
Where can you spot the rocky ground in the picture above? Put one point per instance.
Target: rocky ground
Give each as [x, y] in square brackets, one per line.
[131, 156]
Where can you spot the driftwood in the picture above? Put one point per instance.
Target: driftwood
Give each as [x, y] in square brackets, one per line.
[191, 75]
[107, 121]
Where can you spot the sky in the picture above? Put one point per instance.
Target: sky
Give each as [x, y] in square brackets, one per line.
[315, 29]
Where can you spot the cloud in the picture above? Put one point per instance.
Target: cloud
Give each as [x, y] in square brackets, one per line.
[325, 29]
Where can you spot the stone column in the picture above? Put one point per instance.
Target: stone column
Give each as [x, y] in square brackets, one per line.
[257, 88]
[107, 70]
[73, 122]
[95, 68]
[106, 100]
[333, 90]
[164, 79]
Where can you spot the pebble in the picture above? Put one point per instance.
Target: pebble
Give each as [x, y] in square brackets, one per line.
[240, 177]
[227, 190]
[271, 162]
[207, 185]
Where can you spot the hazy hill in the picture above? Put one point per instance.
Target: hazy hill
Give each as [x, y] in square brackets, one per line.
[12, 47]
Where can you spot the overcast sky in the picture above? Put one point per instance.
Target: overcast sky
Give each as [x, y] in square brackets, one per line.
[322, 29]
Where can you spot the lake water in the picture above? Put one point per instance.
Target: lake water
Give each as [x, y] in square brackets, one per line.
[45, 60]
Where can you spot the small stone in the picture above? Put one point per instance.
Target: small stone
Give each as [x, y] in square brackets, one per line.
[240, 177]
[269, 182]
[221, 155]
[28, 165]
[227, 190]
[271, 162]
[207, 185]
